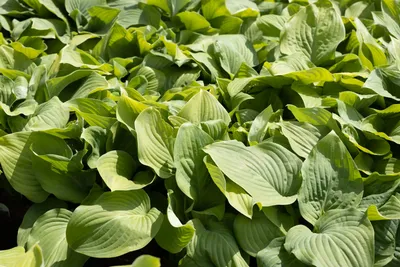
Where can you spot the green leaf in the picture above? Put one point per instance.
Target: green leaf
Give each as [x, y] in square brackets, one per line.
[193, 21]
[155, 142]
[255, 234]
[378, 189]
[16, 158]
[214, 8]
[49, 230]
[259, 126]
[14, 63]
[213, 245]
[315, 31]
[56, 85]
[40, 27]
[146, 261]
[348, 242]
[173, 235]
[171, 7]
[389, 211]
[330, 179]
[33, 213]
[76, 58]
[232, 51]
[102, 19]
[204, 107]
[96, 138]
[95, 112]
[263, 168]
[217, 129]
[59, 171]
[49, 115]
[114, 224]
[19, 258]
[128, 110]
[134, 16]
[117, 170]
[396, 256]
[31, 47]
[384, 82]
[92, 83]
[83, 6]
[370, 52]
[191, 174]
[275, 255]
[385, 241]
[236, 196]
[271, 24]
[302, 137]
[245, 8]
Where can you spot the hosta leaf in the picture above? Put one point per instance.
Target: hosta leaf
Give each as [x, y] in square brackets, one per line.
[315, 31]
[255, 234]
[217, 129]
[33, 213]
[385, 241]
[117, 169]
[378, 189]
[146, 260]
[232, 51]
[19, 258]
[102, 18]
[213, 245]
[171, 7]
[49, 115]
[388, 211]
[173, 235]
[213, 9]
[132, 16]
[396, 257]
[95, 112]
[302, 137]
[56, 85]
[275, 255]
[49, 230]
[82, 6]
[384, 81]
[128, 110]
[204, 107]
[114, 224]
[370, 52]
[194, 21]
[330, 179]
[271, 24]
[259, 126]
[96, 138]
[59, 171]
[269, 173]
[31, 47]
[14, 64]
[86, 86]
[44, 28]
[155, 142]
[236, 196]
[347, 242]
[76, 58]
[15, 159]
[191, 173]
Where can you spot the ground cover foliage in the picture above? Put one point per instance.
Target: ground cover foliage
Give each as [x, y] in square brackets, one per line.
[201, 133]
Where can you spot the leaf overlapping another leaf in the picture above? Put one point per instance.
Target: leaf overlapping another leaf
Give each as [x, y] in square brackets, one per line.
[216, 133]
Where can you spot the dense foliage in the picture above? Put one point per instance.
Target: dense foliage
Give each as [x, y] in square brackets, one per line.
[215, 132]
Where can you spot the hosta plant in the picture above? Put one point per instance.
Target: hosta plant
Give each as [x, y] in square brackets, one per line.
[200, 133]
